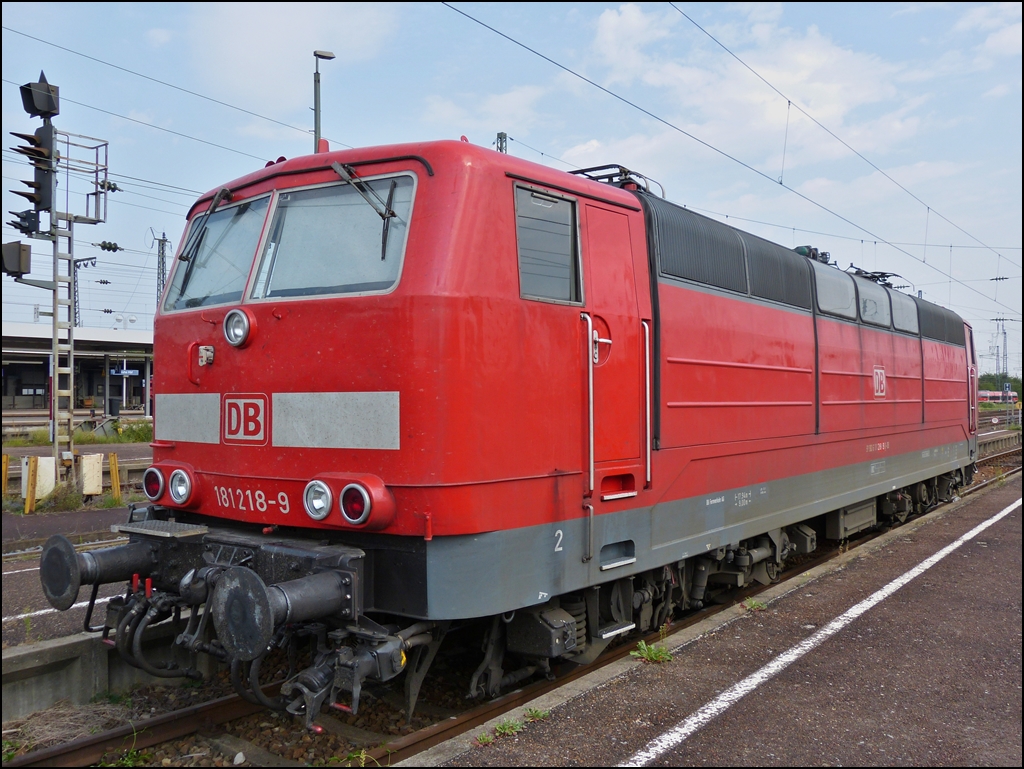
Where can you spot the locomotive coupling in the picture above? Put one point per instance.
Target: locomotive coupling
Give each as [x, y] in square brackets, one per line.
[63, 571]
[246, 611]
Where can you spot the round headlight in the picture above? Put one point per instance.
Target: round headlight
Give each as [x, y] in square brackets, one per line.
[355, 504]
[153, 483]
[180, 486]
[236, 327]
[317, 500]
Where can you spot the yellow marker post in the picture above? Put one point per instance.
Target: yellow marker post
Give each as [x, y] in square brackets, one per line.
[7, 467]
[115, 479]
[30, 485]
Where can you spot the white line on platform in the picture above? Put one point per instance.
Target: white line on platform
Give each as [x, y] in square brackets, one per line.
[723, 701]
[21, 571]
[40, 612]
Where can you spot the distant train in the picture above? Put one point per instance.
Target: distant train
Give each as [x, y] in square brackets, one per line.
[407, 388]
[997, 396]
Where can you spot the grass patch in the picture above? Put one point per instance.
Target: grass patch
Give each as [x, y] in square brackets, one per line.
[508, 727]
[534, 714]
[484, 739]
[131, 757]
[651, 653]
[11, 749]
[126, 431]
[360, 758]
[752, 604]
[64, 498]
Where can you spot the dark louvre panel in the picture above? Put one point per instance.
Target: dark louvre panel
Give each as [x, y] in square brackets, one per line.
[955, 333]
[933, 320]
[777, 273]
[694, 247]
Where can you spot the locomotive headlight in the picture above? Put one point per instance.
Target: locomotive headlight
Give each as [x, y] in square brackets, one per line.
[153, 483]
[180, 486]
[317, 500]
[355, 504]
[236, 327]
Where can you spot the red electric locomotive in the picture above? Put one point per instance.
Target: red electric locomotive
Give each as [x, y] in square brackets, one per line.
[405, 387]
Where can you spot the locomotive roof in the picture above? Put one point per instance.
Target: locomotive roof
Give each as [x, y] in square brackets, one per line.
[427, 154]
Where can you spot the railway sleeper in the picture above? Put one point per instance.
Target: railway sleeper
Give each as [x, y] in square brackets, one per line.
[247, 597]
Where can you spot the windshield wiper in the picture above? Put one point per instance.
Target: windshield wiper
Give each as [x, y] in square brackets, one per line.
[196, 236]
[382, 208]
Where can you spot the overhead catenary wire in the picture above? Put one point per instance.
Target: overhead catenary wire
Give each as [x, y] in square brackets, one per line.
[715, 149]
[127, 189]
[787, 227]
[831, 133]
[168, 85]
[121, 202]
[150, 125]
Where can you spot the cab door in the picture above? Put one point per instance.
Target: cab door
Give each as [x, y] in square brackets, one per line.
[615, 355]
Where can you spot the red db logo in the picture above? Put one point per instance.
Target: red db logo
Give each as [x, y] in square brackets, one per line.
[245, 419]
[879, 382]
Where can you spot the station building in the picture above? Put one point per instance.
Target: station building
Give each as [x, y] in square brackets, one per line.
[113, 370]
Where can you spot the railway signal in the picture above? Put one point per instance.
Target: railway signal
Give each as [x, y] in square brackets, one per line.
[39, 149]
[26, 222]
[49, 150]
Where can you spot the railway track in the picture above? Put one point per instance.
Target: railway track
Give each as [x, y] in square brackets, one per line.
[206, 717]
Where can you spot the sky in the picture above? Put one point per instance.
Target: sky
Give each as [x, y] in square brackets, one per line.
[886, 134]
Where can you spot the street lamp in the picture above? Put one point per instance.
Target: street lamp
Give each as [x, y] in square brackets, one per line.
[124, 320]
[326, 56]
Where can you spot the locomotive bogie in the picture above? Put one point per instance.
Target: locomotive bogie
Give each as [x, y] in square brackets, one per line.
[427, 385]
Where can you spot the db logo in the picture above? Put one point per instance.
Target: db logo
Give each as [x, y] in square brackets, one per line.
[245, 419]
[879, 382]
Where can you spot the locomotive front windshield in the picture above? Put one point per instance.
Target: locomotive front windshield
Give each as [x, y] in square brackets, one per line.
[214, 270]
[340, 239]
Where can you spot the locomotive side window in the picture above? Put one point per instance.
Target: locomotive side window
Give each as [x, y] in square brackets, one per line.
[777, 273]
[330, 240]
[218, 266]
[836, 293]
[549, 266]
[694, 247]
[904, 312]
[874, 303]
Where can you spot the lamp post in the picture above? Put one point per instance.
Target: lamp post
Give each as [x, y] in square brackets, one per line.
[326, 56]
[124, 321]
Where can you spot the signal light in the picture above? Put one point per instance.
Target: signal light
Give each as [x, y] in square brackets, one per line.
[355, 504]
[41, 153]
[41, 99]
[153, 483]
[27, 222]
[17, 259]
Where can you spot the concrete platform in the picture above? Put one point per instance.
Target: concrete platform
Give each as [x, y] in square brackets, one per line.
[931, 675]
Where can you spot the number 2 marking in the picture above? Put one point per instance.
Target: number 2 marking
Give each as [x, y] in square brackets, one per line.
[558, 541]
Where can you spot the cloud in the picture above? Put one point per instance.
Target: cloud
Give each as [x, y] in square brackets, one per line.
[512, 111]
[1002, 24]
[621, 36]
[998, 91]
[988, 17]
[261, 54]
[1004, 42]
[158, 37]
